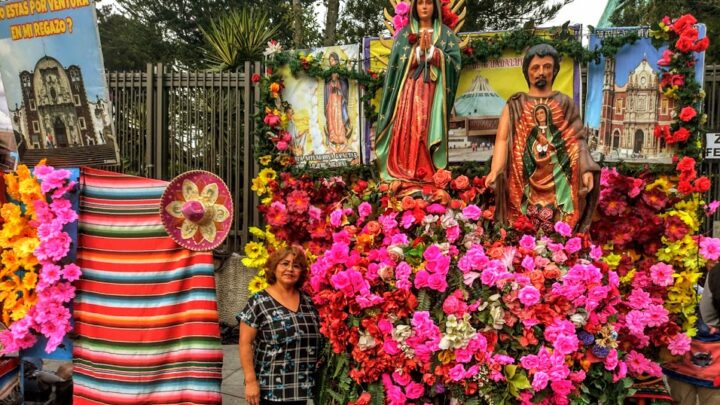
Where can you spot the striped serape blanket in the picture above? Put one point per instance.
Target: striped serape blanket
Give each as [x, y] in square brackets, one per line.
[146, 311]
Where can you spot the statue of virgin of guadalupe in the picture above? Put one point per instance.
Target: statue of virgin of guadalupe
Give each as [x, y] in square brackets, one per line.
[422, 76]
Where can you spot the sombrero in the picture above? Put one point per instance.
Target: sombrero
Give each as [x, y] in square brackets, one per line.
[197, 210]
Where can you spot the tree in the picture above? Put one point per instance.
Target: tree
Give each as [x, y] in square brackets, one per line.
[129, 44]
[647, 12]
[180, 22]
[236, 37]
[331, 19]
[361, 18]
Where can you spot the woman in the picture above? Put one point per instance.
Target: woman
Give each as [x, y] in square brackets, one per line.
[418, 94]
[279, 335]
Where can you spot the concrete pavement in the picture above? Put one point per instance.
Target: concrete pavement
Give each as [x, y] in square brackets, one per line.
[233, 387]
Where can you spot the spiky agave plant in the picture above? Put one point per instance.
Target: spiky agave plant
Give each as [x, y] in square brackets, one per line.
[236, 37]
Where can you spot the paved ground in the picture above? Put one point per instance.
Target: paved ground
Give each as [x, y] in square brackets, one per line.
[233, 388]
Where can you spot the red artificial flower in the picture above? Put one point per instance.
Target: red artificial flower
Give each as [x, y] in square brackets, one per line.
[682, 23]
[702, 45]
[685, 187]
[681, 135]
[666, 58]
[685, 164]
[687, 114]
[677, 80]
[360, 186]
[412, 38]
[684, 45]
[675, 228]
[441, 178]
[716, 382]
[460, 183]
[255, 77]
[661, 131]
[702, 184]
[364, 399]
[468, 51]
[524, 225]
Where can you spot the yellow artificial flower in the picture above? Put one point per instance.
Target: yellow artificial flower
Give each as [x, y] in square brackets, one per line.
[257, 232]
[267, 174]
[9, 261]
[259, 186]
[265, 160]
[267, 200]
[254, 250]
[29, 280]
[257, 284]
[12, 186]
[661, 182]
[254, 263]
[628, 278]
[612, 260]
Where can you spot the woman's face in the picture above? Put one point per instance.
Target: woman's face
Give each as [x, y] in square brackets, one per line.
[288, 271]
[541, 116]
[425, 9]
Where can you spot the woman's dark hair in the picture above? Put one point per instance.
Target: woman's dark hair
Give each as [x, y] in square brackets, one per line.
[435, 15]
[277, 256]
[714, 285]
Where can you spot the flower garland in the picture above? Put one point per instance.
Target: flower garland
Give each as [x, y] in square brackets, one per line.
[39, 305]
[677, 81]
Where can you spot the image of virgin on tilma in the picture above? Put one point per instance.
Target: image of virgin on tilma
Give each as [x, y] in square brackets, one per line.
[57, 121]
[629, 116]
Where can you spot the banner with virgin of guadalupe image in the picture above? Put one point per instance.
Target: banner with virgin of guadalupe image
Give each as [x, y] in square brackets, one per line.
[625, 103]
[54, 79]
[481, 95]
[324, 115]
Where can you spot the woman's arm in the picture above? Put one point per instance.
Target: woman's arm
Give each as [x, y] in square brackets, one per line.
[252, 388]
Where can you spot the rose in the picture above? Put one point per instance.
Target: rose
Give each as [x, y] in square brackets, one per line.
[255, 77]
[684, 45]
[681, 135]
[682, 23]
[460, 183]
[685, 164]
[529, 295]
[702, 184]
[441, 178]
[412, 38]
[687, 114]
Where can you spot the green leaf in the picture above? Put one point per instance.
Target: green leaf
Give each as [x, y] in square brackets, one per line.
[510, 370]
[520, 381]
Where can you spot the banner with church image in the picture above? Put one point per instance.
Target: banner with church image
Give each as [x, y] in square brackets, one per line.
[624, 102]
[324, 115]
[481, 95]
[52, 70]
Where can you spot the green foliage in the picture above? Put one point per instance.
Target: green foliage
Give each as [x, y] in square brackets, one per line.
[648, 12]
[179, 22]
[238, 36]
[129, 44]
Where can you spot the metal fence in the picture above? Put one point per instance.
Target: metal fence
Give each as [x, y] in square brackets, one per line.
[169, 122]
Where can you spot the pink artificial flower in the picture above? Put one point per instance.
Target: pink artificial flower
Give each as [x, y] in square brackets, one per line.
[638, 299]
[54, 248]
[540, 381]
[455, 305]
[315, 213]
[336, 217]
[71, 272]
[365, 209]
[528, 263]
[402, 8]
[563, 229]
[527, 242]
[350, 282]
[529, 295]
[710, 248]
[566, 344]
[573, 245]
[472, 212]
[596, 252]
[436, 209]
[277, 214]
[679, 344]
[611, 360]
[414, 390]
[711, 208]
[662, 274]
[457, 373]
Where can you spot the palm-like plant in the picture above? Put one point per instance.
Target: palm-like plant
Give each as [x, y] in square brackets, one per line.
[236, 37]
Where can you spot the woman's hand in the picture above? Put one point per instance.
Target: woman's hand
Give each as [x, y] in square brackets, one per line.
[252, 392]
